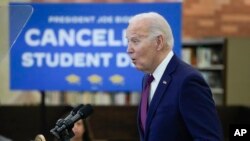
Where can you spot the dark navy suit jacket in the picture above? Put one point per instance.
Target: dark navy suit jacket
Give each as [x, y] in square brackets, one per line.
[182, 108]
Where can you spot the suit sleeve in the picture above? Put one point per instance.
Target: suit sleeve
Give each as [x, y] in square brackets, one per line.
[198, 109]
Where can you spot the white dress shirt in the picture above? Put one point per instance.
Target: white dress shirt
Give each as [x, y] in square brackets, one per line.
[158, 74]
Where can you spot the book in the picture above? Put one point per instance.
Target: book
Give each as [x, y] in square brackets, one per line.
[134, 98]
[203, 56]
[186, 54]
[120, 98]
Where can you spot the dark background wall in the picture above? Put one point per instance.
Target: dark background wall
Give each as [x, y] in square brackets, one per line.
[110, 123]
[107, 123]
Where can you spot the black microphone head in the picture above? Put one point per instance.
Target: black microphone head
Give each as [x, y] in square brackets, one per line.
[74, 111]
[77, 108]
[61, 122]
[85, 111]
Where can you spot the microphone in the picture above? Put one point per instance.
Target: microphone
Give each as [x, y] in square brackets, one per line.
[74, 111]
[60, 122]
[82, 113]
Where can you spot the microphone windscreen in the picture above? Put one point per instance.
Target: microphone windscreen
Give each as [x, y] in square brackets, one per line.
[86, 111]
[40, 137]
[77, 108]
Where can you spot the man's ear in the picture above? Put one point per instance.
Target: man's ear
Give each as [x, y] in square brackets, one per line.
[159, 41]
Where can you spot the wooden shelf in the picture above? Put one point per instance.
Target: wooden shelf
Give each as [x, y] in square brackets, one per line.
[208, 56]
[217, 90]
[212, 67]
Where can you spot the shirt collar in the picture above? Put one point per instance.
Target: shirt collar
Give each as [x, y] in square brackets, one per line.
[160, 69]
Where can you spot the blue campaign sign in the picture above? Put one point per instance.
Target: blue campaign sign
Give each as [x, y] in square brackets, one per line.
[81, 47]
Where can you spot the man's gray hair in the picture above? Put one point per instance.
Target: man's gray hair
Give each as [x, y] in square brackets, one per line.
[158, 26]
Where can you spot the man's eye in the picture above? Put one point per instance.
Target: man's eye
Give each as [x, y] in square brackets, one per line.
[135, 41]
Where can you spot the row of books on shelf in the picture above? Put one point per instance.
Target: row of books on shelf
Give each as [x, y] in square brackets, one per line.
[214, 79]
[94, 98]
[202, 57]
[106, 99]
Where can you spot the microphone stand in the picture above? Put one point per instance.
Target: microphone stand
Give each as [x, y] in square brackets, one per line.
[43, 112]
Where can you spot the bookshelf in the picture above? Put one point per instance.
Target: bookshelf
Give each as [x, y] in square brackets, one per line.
[209, 57]
[97, 98]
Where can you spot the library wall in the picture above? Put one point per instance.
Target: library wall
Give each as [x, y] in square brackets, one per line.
[216, 18]
[4, 50]
[238, 68]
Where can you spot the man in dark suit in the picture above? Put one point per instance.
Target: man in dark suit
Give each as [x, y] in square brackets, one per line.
[179, 104]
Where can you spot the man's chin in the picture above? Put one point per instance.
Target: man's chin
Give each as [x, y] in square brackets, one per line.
[139, 68]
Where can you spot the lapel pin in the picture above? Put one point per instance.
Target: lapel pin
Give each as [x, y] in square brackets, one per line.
[164, 82]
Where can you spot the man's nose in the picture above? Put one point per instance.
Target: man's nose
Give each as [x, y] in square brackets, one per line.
[129, 49]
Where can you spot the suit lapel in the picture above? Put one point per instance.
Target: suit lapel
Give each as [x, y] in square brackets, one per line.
[161, 88]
